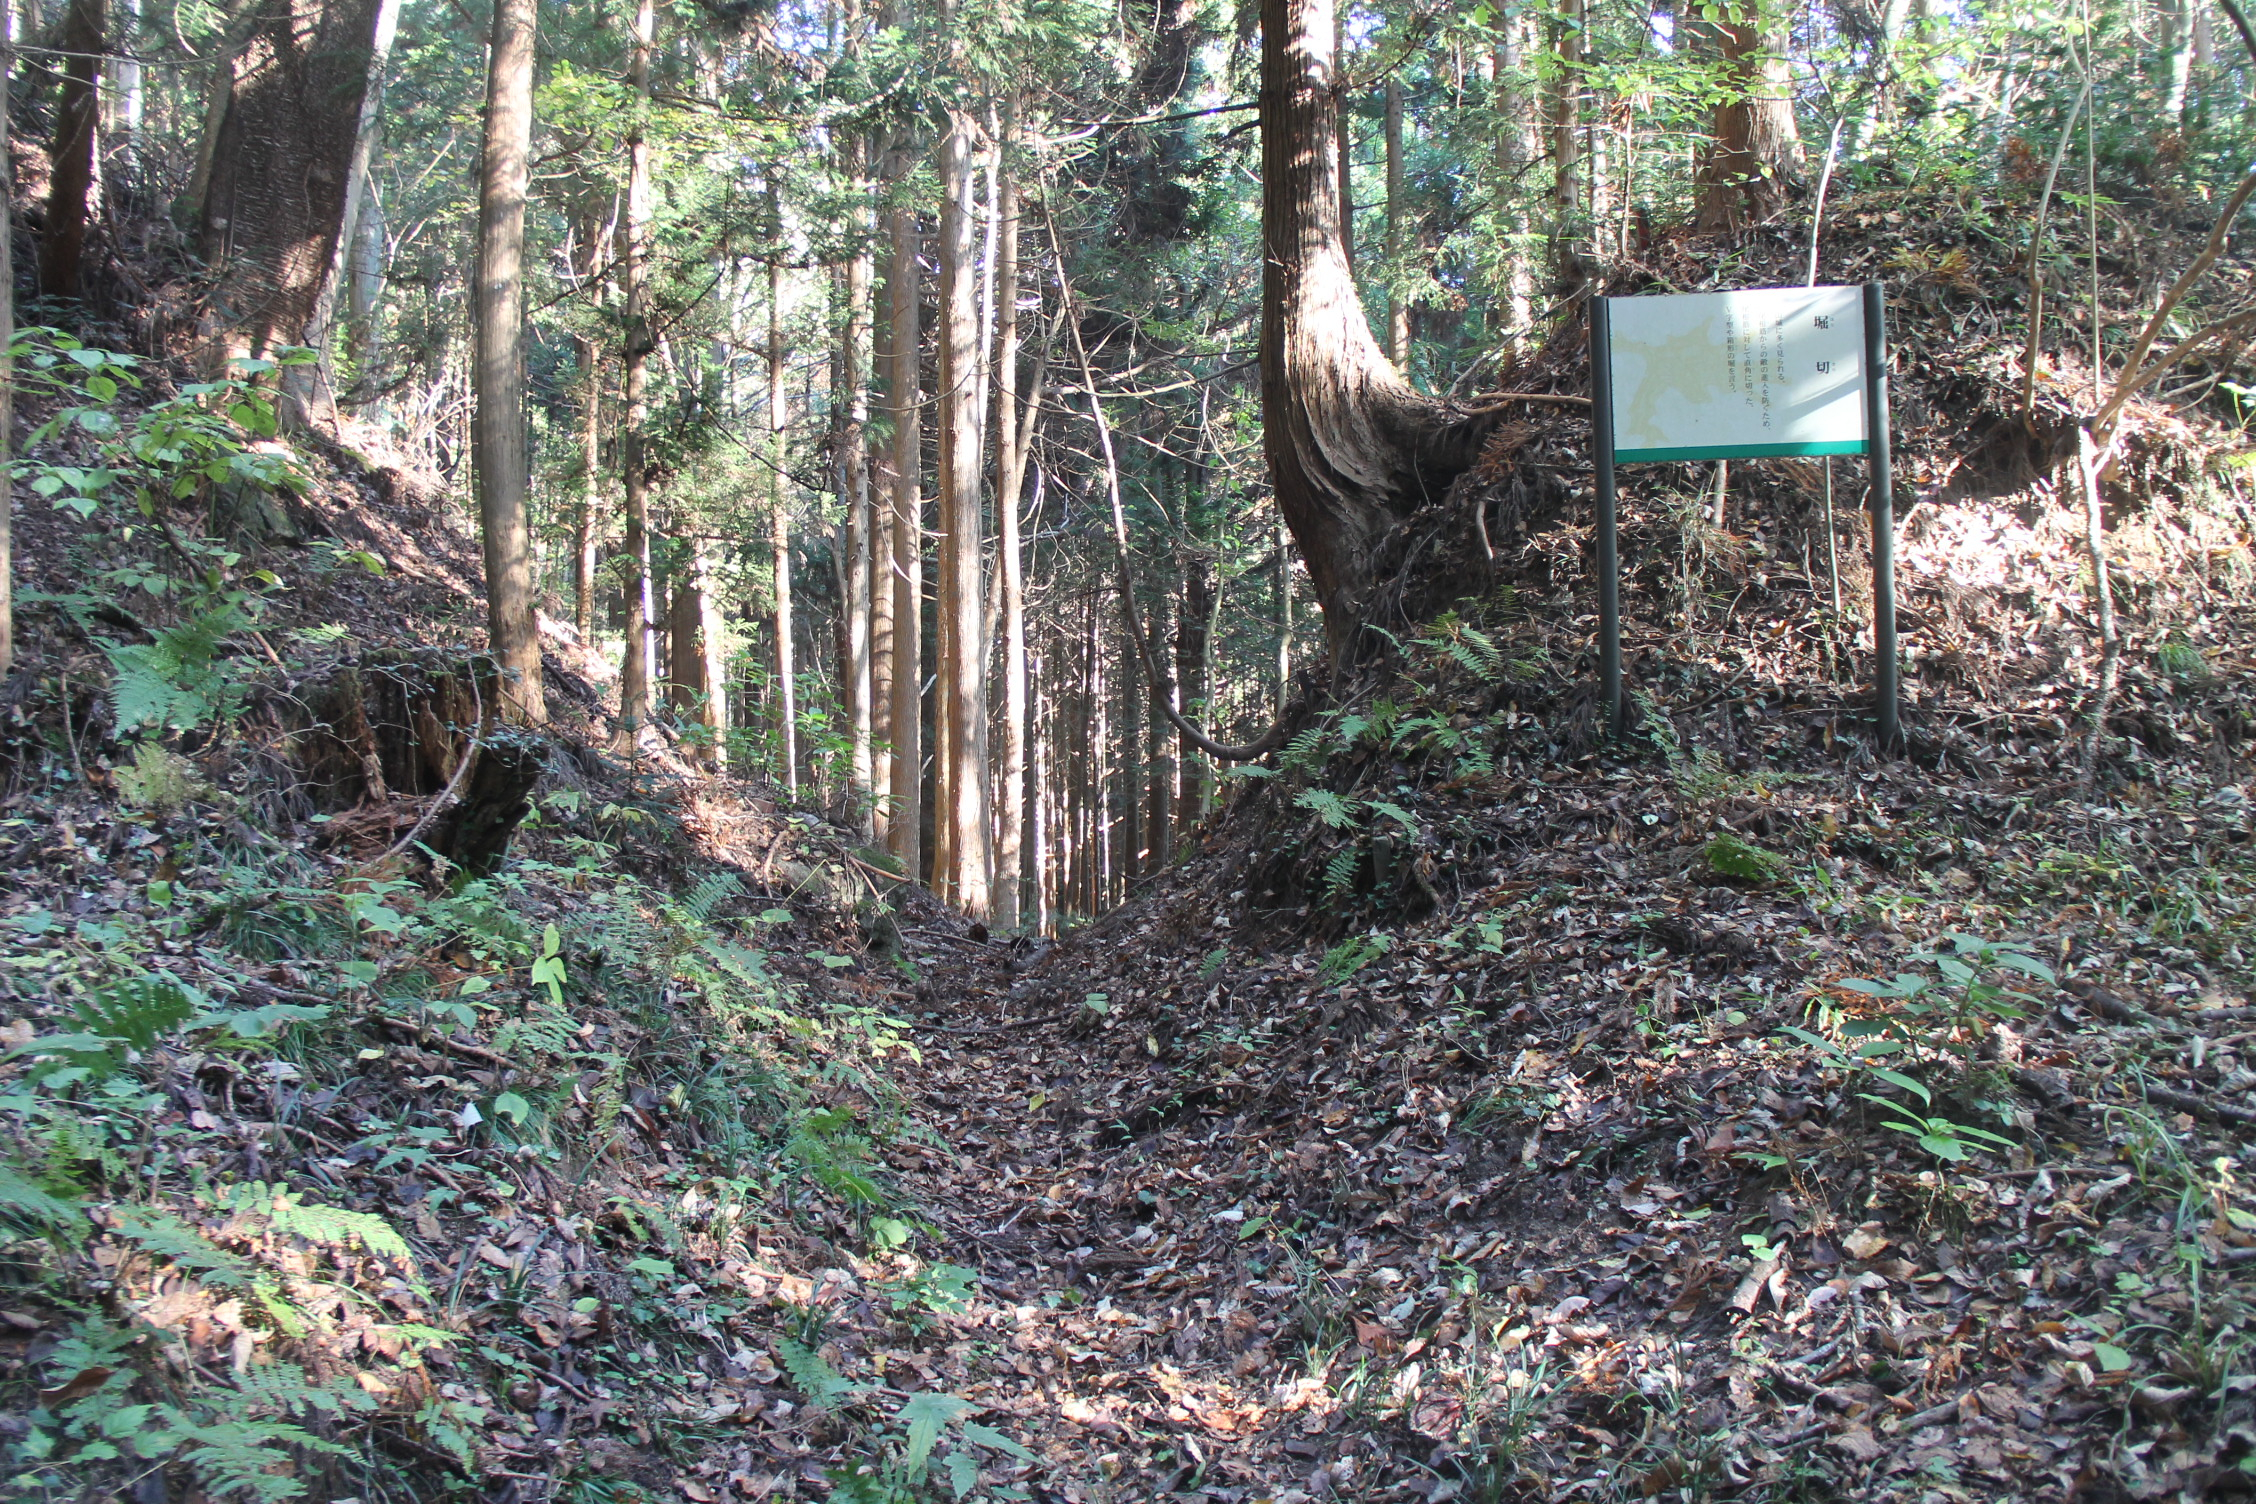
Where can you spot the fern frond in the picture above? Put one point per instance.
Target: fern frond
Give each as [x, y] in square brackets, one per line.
[167, 1237]
[823, 1385]
[1339, 873]
[710, 893]
[1337, 812]
[29, 1208]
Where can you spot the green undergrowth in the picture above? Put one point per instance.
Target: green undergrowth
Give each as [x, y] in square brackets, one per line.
[259, 1128]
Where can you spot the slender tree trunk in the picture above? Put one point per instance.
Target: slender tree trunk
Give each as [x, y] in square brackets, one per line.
[62, 251]
[2177, 52]
[1099, 770]
[1352, 447]
[854, 493]
[275, 201]
[585, 539]
[2088, 465]
[1284, 615]
[1567, 263]
[1518, 146]
[1013, 440]
[1040, 845]
[1398, 233]
[779, 535]
[882, 485]
[7, 366]
[1755, 159]
[1159, 819]
[908, 543]
[637, 668]
[364, 287]
[502, 462]
[1136, 853]
[1191, 656]
[123, 100]
[964, 699]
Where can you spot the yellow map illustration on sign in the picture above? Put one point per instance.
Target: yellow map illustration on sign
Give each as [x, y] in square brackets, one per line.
[1722, 375]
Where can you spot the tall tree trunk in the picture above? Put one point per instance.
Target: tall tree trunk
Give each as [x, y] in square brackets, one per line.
[1159, 819]
[1041, 844]
[124, 103]
[963, 692]
[908, 538]
[1136, 852]
[1193, 652]
[502, 462]
[1755, 158]
[637, 667]
[1568, 269]
[854, 494]
[1352, 448]
[586, 540]
[276, 197]
[1014, 437]
[1398, 234]
[879, 460]
[2177, 55]
[695, 680]
[1518, 146]
[62, 251]
[7, 366]
[779, 532]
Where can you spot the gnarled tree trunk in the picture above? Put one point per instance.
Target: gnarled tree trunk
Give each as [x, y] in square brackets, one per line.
[1353, 449]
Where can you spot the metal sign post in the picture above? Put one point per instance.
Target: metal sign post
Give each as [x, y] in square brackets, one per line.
[1742, 375]
[1876, 459]
[1609, 540]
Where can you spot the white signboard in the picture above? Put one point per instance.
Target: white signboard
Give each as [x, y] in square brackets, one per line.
[1726, 375]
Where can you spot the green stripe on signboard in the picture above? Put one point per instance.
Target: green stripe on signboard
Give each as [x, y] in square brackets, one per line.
[1738, 451]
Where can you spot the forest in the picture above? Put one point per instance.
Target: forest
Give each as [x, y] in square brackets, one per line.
[755, 749]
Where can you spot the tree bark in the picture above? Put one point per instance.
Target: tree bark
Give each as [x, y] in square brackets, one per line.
[1518, 146]
[854, 495]
[1755, 159]
[123, 98]
[1568, 265]
[1353, 449]
[275, 202]
[907, 540]
[1014, 438]
[786, 700]
[964, 840]
[7, 365]
[501, 458]
[1160, 769]
[879, 461]
[637, 667]
[1194, 646]
[586, 540]
[62, 251]
[695, 680]
[302, 383]
[1398, 234]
